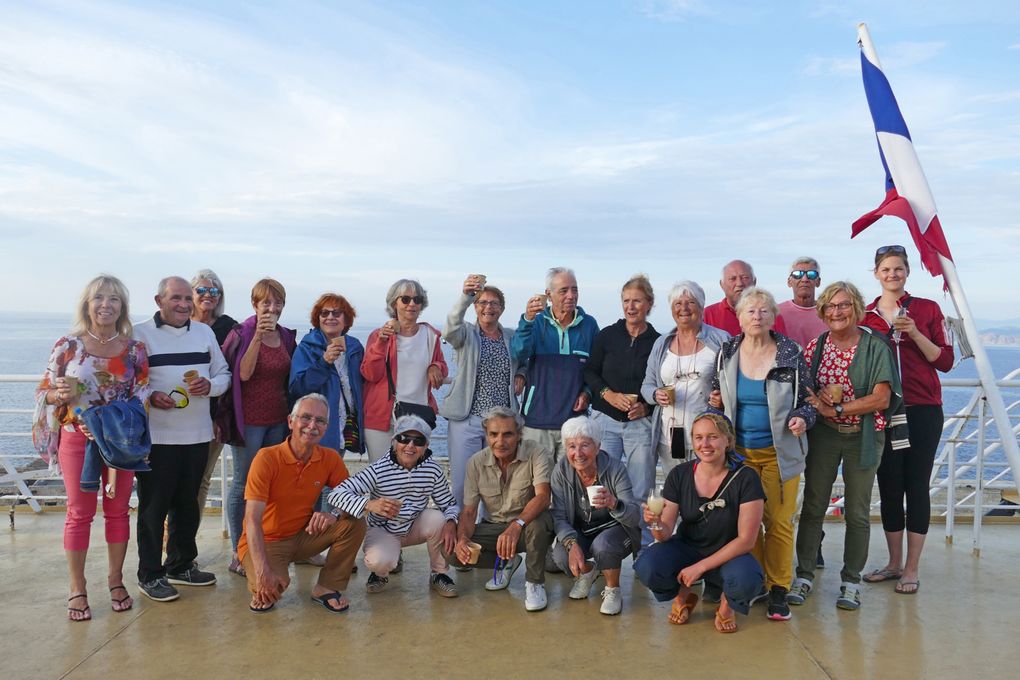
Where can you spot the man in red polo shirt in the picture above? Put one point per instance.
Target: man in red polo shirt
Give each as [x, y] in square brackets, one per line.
[280, 522]
[736, 276]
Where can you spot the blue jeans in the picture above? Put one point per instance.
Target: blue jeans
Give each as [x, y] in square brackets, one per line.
[255, 437]
[740, 579]
[465, 439]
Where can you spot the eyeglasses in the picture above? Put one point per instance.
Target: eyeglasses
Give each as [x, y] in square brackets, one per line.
[488, 303]
[407, 299]
[204, 290]
[811, 274]
[896, 250]
[841, 306]
[416, 439]
[326, 313]
[309, 419]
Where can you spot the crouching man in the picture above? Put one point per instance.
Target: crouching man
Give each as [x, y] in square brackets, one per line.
[281, 524]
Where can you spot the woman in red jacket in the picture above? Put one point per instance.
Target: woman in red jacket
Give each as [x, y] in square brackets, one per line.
[916, 329]
[403, 363]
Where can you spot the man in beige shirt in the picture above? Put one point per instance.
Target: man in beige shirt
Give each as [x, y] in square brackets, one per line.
[511, 477]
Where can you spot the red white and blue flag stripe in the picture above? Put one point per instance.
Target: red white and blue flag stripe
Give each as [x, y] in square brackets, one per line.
[907, 194]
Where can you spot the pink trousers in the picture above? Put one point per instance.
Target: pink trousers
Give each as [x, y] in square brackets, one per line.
[81, 507]
[382, 549]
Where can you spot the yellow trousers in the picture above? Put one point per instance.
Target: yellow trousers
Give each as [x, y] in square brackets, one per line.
[774, 549]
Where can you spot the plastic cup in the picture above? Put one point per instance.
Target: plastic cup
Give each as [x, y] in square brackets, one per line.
[72, 384]
[836, 392]
[593, 492]
[481, 279]
[670, 391]
[339, 341]
[190, 375]
[545, 299]
[476, 551]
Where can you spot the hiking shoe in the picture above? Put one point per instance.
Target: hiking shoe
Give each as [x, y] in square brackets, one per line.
[779, 610]
[192, 576]
[443, 585]
[849, 596]
[760, 597]
[799, 592]
[376, 583]
[534, 597]
[712, 593]
[400, 564]
[159, 589]
[503, 573]
[612, 601]
[583, 584]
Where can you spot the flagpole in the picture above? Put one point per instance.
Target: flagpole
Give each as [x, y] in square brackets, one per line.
[984, 369]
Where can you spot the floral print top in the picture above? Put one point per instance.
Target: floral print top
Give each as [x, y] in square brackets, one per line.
[101, 380]
[834, 369]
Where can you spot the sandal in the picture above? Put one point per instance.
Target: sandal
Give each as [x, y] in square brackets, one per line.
[117, 605]
[880, 575]
[263, 609]
[680, 613]
[725, 624]
[908, 587]
[86, 612]
[236, 567]
[341, 606]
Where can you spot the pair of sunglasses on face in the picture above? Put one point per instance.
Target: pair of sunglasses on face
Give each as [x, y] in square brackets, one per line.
[408, 299]
[416, 439]
[811, 274]
[205, 290]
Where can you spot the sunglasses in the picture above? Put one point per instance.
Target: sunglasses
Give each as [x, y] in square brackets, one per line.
[417, 439]
[180, 397]
[898, 250]
[203, 290]
[407, 299]
[811, 274]
[335, 313]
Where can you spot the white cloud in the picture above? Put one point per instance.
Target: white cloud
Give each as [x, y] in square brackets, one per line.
[672, 10]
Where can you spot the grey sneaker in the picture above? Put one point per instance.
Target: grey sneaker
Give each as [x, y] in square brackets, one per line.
[443, 585]
[799, 591]
[582, 585]
[503, 574]
[534, 597]
[159, 589]
[376, 583]
[849, 596]
[192, 576]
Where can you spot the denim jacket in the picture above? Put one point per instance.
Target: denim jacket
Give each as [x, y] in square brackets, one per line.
[120, 432]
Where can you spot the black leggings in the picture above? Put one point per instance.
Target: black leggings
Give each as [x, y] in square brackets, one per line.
[907, 472]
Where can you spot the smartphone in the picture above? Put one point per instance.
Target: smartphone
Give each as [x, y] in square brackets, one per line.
[678, 443]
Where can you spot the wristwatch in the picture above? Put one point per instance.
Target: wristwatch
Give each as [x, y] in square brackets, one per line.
[336, 512]
[839, 410]
[520, 522]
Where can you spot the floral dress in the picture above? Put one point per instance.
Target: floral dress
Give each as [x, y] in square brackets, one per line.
[101, 380]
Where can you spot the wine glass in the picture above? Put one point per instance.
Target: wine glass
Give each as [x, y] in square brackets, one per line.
[656, 503]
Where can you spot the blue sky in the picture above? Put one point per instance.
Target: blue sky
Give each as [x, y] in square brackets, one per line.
[340, 146]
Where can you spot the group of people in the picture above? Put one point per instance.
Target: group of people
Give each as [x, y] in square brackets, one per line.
[556, 429]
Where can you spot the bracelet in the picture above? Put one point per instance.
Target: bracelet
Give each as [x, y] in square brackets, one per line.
[569, 543]
[602, 392]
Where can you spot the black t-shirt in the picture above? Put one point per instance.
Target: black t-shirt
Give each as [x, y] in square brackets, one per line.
[711, 529]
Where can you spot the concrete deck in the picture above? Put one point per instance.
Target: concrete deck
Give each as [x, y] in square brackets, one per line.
[961, 624]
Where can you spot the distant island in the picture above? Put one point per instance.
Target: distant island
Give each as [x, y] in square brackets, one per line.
[1008, 336]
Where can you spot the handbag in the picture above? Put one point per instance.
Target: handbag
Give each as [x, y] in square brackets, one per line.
[351, 431]
[408, 408]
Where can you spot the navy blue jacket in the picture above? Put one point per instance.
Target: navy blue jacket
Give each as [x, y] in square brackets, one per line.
[309, 373]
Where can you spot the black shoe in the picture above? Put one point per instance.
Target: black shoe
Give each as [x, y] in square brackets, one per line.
[376, 583]
[819, 560]
[400, 564]
[192, 576]
[778, 609]
[159, 589]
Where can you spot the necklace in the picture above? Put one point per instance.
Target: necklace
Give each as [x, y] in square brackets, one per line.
[100, 340]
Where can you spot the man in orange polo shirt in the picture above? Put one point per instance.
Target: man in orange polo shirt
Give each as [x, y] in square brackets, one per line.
[280, 522]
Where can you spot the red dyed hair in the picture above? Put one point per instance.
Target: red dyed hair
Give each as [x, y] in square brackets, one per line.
[333, 301]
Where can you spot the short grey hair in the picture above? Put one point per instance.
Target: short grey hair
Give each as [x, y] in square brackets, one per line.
[690, 288]
[500, 413]
[314, 396]
[582, 426]
[398, 288]
[809, 261]
[210, 275]
[164, 283]
[756, 293]
[556, 271]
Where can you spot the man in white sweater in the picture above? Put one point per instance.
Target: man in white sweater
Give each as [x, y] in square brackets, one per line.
[186, 367]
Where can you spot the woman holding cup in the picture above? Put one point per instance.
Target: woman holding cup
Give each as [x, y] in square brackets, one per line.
[594, 512]
[97, 363]
[917, 330]
[403, 364]
[259, 352]
[328, 362]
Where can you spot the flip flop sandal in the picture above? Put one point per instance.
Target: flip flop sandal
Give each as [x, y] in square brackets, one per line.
[880, 575]
[683, 611]
[325, 598]
[900, 587]
[722, 621]
[86, 610]
[120, 603]
[262, 610]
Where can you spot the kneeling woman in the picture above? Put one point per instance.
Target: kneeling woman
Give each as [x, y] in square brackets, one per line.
[595, 513]
[719, 504]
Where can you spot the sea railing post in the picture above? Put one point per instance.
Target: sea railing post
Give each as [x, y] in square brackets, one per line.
[979, 487]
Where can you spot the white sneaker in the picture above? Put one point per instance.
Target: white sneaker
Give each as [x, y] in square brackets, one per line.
[501, 579]
[612, 601]
[534, 597]
[583, 584]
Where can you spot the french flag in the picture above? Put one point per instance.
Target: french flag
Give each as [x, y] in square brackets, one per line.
[907, 194]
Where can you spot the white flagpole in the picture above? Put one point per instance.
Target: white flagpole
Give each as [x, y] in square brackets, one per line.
[984, 370]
